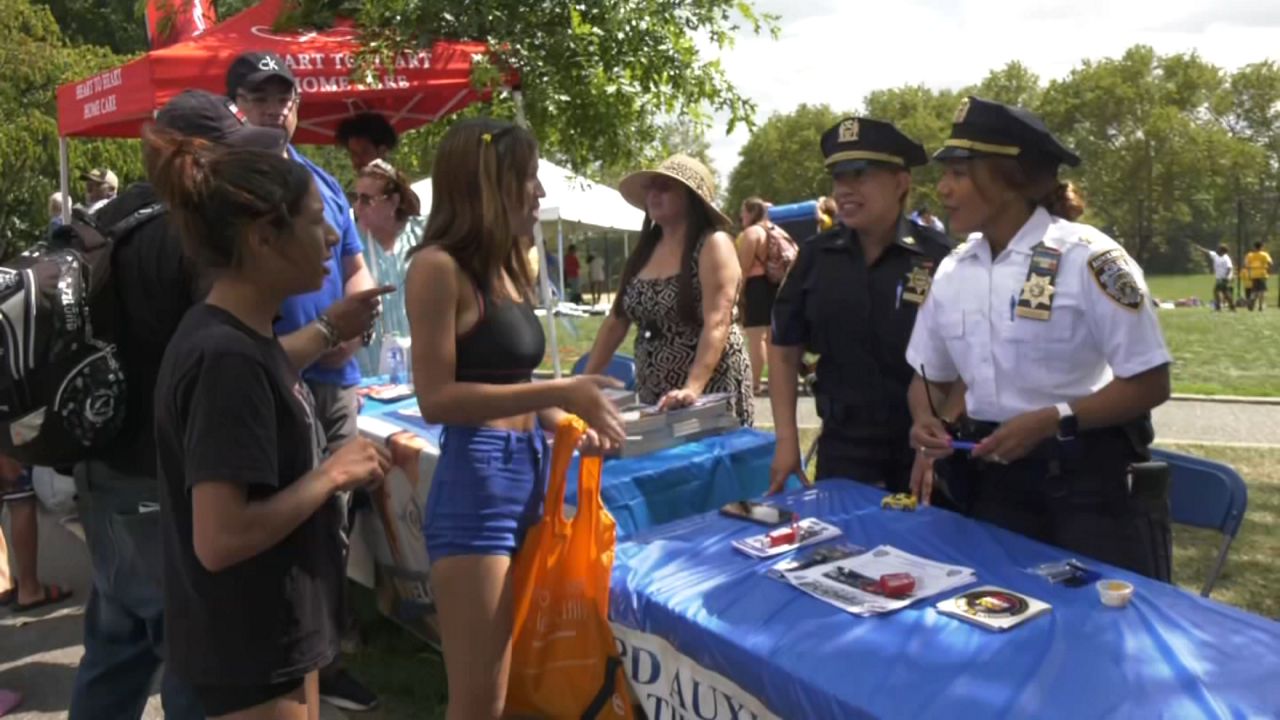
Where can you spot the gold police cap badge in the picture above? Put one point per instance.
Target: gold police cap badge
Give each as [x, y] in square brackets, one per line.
[848, 131]
[962, 111]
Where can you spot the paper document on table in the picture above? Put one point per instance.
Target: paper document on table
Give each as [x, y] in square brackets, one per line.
[851, 583]
[808, 531]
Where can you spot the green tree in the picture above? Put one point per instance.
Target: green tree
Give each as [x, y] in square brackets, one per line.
[1013, 84]
[782, 160]
[923, 115]
[598, 78]
[1158, 166]
[34, 60]
[119, 25]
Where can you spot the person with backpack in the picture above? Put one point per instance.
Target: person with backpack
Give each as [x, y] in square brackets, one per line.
[154, 285]
[765, 254]
[851, 298]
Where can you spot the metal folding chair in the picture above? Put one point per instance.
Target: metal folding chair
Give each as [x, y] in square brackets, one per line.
[1206, 494]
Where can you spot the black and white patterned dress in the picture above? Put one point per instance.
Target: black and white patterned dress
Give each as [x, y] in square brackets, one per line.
[666, 345]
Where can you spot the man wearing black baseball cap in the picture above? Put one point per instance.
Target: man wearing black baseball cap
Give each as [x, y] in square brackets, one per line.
[155, 285]
[262, 84]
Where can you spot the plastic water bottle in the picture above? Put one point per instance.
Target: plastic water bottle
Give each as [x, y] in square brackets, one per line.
[395, 362]
[405, 343]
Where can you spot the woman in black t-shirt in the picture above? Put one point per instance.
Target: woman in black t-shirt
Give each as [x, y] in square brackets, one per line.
[252, 550]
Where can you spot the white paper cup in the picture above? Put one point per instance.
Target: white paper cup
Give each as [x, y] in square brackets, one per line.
[1115, 593]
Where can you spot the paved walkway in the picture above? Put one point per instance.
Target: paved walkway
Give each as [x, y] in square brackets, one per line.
[39, 652]
[1176, 421]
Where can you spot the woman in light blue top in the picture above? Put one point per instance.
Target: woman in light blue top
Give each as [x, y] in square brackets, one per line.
[387, 212]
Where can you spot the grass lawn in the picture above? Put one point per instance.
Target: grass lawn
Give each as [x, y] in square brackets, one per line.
[1217, 353]
[1214, 353]
[410, 677]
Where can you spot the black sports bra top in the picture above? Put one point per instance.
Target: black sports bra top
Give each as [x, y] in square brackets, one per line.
[505, 345]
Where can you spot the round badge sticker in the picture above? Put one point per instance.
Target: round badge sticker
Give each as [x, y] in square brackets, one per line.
[991, 604]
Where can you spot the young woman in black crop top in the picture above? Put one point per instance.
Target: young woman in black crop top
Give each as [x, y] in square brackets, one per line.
[476, 343]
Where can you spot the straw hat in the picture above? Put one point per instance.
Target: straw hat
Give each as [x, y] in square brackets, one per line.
[683, 169]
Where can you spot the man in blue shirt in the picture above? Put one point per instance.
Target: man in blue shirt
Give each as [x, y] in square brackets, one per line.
[264, 88]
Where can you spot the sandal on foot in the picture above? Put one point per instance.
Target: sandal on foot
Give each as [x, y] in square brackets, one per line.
[53, 594]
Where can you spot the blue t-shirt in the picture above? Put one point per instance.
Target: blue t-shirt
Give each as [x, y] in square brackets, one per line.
[300, 310]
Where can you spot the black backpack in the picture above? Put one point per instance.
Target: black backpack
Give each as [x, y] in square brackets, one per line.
[62, 386]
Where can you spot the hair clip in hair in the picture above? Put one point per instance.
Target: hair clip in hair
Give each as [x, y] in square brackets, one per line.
[487, 138]
[381, 166]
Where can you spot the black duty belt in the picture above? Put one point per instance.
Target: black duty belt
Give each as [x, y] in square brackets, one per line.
[966, 428]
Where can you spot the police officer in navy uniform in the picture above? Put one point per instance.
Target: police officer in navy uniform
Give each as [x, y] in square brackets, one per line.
[1046, 326]
[851, 297]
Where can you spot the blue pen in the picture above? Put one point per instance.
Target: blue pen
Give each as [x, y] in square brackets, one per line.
[1013, 303]
[897, 303]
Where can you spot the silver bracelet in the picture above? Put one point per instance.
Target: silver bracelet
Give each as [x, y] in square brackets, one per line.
[331, 339]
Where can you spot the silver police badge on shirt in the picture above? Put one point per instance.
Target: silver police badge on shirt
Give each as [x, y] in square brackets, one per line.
[1111, 271]
[1035, 302]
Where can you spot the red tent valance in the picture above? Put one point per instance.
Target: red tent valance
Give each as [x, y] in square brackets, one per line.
[419, 87]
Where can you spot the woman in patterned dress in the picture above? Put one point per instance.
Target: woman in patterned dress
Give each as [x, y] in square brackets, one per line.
[680, 289]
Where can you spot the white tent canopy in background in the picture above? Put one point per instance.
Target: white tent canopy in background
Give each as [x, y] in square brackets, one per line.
[571, 200]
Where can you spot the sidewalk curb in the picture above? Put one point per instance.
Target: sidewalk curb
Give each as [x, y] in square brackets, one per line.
[1225, 399]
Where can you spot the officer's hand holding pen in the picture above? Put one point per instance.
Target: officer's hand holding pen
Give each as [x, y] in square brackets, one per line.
[1017, 437]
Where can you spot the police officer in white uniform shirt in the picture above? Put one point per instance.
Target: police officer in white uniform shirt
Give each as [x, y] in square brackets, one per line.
[1046, 328]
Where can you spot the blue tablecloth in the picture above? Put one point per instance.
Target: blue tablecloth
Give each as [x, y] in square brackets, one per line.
[651, 489]
[681, 587]
[702, 475]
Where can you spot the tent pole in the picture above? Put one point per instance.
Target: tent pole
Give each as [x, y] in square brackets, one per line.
[543, 265]
[549, 299]
[64, 178]
[560, 254]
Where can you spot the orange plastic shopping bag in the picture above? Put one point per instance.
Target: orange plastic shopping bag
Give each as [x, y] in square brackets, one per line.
[564, 661]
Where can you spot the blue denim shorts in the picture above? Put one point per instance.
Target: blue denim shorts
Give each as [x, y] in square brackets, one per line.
[486, 492]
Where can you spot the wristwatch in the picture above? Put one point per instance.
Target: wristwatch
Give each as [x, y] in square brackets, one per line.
[1068, 423]
[331, 339]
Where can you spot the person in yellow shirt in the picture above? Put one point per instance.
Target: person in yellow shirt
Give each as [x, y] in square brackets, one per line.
[826, 213]
[1257, 266]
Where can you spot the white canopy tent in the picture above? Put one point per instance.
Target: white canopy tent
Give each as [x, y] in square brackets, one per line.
[572, 201]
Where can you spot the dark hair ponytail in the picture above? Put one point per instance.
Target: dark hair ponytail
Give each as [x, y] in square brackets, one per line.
[217, 194]
[1063, 201]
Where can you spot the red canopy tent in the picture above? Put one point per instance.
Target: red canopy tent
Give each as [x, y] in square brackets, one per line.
[419, 87]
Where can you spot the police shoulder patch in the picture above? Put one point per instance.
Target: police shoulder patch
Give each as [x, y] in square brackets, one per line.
[1111, 271]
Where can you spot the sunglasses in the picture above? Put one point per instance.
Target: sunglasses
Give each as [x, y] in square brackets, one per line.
[363, 199]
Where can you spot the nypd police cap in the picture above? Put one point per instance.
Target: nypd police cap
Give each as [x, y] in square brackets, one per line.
[856, 143]
[986, 128]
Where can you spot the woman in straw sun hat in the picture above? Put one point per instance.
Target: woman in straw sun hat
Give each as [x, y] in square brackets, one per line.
[679, 287]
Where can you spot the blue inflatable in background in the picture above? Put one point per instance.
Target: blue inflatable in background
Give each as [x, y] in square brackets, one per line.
[800, 220]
